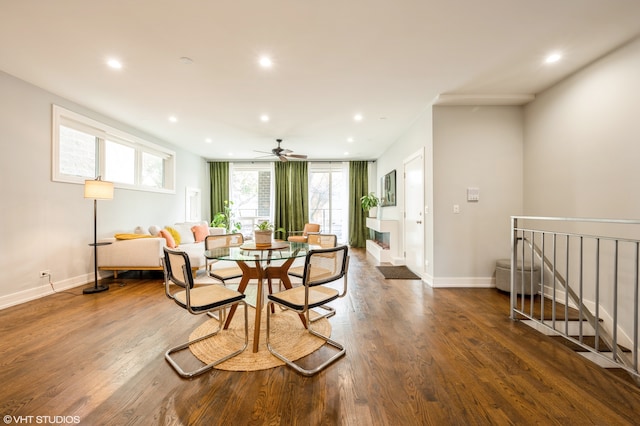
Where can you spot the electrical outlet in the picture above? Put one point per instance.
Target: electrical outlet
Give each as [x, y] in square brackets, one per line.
[44, 273]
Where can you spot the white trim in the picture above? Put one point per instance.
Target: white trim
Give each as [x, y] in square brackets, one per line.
[45, 290]
[103, 133]
[463, 282]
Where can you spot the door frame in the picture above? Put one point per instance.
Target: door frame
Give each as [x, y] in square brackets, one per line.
[414, 190]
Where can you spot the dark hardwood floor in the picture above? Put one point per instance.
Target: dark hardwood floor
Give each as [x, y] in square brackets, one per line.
[415, 355]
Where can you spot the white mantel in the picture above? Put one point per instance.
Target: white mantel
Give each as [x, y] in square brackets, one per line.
[389, 255]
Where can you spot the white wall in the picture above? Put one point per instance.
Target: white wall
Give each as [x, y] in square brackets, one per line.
[478, 147]
[48, 225]
[582, 156]
[418, 136]
[582, 148]
[464, 147]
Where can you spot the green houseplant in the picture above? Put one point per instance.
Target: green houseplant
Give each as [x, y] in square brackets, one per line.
[225, 219]
[370, 204]
[264, 232]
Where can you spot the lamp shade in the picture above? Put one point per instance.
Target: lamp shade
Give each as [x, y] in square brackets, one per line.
[98, 189]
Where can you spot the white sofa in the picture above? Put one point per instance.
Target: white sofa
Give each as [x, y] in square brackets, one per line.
[143, 254]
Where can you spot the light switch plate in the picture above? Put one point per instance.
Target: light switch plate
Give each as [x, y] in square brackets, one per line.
[473, 194]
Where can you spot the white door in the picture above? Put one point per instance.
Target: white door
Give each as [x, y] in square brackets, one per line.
[414, 213]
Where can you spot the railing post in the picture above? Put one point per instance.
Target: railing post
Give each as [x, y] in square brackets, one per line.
[635, 309]
[514, 247]
[610, 281]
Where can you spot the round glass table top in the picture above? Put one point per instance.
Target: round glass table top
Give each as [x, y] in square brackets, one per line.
[249, 252]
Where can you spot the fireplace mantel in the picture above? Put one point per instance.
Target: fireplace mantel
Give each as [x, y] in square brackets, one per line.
[384, 254]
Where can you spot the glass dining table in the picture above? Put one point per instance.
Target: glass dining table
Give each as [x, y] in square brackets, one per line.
[260, 263]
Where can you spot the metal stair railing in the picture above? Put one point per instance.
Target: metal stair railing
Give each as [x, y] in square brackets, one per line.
[611, 263]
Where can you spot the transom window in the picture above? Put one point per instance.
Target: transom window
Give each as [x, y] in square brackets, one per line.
[84, 148]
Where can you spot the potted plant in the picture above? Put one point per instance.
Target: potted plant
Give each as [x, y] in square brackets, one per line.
[370, 204]
[225, 219]
[219, 220]
[264, 232]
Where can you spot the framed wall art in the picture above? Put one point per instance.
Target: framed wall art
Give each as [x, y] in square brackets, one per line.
[389, 189]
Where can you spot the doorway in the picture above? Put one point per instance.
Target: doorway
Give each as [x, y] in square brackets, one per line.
[414, 212]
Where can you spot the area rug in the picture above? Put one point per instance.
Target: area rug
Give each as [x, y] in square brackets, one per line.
[288, 336]
[397, 273]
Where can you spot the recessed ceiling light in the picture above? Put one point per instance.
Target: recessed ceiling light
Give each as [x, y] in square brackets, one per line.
[349, 140]
[208, 140]
[173, 119]
[554, 57]
[358, 117]
[264, 118]
[265, 62]
[114, 63]
[186, 60]
[346, 153]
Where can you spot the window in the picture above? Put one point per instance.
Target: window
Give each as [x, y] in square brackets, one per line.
[77, 152]
[84, 148]
[328, 198]
[250, 189]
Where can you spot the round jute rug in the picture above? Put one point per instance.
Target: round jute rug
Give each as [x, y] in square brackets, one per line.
[288, 336]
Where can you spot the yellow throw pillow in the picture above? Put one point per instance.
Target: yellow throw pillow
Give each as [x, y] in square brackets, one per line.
[174, 233]
[131, 236]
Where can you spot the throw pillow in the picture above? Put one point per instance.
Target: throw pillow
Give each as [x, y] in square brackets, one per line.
[154, 230]
[174, 233]
[186, 234]
[131, 236]
[171, 243]
[139, 230]
[200, 232]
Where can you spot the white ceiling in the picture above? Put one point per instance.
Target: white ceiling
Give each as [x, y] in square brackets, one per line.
[385, 59]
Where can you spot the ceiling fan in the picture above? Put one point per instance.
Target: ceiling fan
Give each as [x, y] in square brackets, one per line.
[282, 153]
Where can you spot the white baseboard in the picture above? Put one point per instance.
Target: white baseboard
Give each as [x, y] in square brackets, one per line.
[463, 282]
[44, 290]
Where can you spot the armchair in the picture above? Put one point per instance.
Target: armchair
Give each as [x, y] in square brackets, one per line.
[301, 236]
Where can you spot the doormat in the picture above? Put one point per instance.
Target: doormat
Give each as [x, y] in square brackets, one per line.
[397, 273]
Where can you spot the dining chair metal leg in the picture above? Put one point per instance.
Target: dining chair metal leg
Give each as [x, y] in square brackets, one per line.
[190, 374]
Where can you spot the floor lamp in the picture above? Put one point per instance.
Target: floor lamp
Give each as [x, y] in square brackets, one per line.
[98, 190]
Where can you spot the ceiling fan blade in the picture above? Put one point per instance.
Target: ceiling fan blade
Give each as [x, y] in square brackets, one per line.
[283, 158]
[263, 152]
[296, 156]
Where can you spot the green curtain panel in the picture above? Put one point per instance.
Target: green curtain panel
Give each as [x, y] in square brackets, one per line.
[291, 195]
[358, 187]
[219, 176]
[299, 206]
[281, 172]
